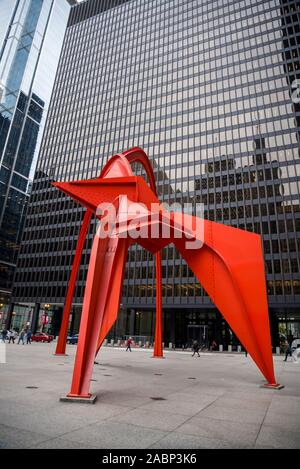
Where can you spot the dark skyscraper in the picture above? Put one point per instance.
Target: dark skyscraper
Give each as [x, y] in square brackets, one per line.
[31, 35]
[207, 89]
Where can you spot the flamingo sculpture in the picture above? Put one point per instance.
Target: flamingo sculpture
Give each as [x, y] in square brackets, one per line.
[228, 262]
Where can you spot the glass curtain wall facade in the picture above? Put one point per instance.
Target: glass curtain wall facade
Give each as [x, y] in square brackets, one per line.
[31, 36]
[209, 90]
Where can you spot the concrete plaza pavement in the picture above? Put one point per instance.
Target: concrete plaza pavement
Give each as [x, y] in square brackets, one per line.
[181, 402]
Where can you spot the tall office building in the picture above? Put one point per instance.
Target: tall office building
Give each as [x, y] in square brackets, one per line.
[31, 36]
[209, 90]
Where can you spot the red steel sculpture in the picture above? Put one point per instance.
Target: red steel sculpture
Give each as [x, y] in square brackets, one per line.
[228, 263]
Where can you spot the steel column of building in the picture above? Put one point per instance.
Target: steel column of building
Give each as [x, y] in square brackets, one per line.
[35, 317]
[9, 316]
[228, 262]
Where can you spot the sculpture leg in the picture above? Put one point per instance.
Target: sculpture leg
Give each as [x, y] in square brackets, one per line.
[105, 264]
[231, 269]
[158, 349]
[112, 306]
[62, 338]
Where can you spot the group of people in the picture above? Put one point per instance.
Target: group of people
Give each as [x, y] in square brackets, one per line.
[195, 347]
[24, 336]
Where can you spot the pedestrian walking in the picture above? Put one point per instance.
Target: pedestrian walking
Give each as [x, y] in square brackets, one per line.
[28, 336]
[4, 335]
[214, 345]
[295, 345]
[196, 348]
[289, 352]
[22, 337]
[129, 342]
[12, 337]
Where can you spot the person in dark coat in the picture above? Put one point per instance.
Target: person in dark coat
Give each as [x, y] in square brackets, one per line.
[4, 335]
[28, 336]
[196, 348]
[289, 351]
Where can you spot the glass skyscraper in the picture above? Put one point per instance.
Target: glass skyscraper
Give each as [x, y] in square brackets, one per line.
[209, 90]
[31, 36]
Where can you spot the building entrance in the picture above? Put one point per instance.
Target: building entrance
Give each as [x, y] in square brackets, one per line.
[286, 328]
[199, 333]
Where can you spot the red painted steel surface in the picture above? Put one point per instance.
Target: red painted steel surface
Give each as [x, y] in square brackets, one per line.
[63, 333]
[229, 265]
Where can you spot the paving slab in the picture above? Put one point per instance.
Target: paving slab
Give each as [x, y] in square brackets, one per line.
[271, 437]
[62, 443]
[285, 422]
[241, 434]
[285, 405]
[164, 421]
[12, 437]
[115, 435]
[231, 414]
[181, 441]
[185, 408]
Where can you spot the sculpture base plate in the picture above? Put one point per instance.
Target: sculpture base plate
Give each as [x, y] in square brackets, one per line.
[79, 399]
[277, 387]
[60, 354]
